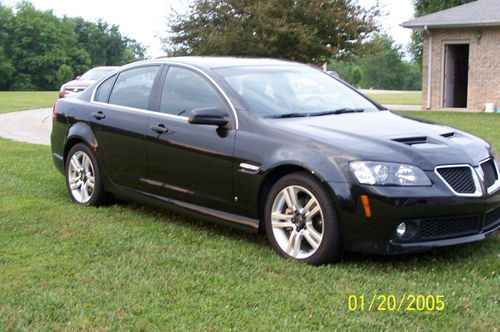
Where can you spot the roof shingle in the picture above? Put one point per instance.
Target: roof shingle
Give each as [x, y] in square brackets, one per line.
[473, 14]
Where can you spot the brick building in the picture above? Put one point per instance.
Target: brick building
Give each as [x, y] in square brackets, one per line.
[461, 60]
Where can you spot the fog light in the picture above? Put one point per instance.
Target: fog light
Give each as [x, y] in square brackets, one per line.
[401, 230]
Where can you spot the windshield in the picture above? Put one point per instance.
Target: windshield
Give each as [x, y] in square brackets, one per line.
[275, 91]
[95, 74]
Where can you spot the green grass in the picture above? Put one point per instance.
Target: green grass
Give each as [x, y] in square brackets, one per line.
[20, 101]
[124, 266]
[404, 98]
[485, 125]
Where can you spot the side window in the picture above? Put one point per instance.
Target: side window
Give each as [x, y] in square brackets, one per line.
[104, 89]
[185, 90]
[133, 87]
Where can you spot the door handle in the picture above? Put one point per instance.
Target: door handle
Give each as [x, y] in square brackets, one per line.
[160, 128]
[98, 115]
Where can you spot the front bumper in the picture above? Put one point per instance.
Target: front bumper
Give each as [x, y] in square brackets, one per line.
[400, 248]
[438, 218]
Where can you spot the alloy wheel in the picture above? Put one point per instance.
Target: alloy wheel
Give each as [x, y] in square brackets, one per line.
[297, 221]
[81, 177]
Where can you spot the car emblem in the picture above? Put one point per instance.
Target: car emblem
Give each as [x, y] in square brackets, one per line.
[75, 90]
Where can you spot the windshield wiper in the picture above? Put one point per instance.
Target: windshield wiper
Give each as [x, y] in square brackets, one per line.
[338, 111]
[287, 115]
[300, 115]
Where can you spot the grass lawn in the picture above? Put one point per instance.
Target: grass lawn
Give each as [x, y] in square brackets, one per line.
[486, 125]
[404, 98]
[24, 100]
[124, 266]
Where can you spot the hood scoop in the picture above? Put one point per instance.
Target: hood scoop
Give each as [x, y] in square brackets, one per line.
[412, 140]
[428, 142]
[449, 135]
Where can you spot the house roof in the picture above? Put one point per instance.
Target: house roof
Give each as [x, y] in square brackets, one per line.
[473, 14]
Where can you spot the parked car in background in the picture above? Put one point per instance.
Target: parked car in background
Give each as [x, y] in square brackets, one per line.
[277, 147]
[82, 82]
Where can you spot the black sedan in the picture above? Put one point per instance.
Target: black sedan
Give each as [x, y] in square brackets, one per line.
[278, 147]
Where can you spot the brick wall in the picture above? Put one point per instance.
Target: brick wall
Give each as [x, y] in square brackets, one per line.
[484, 65]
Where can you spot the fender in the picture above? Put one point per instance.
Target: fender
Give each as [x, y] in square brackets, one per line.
[326, 169]
[248, 192]
[323, 168]
[82, 132]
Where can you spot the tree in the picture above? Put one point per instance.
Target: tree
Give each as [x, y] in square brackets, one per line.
[425, 7]
[105, 44]
[383, 67]
[310, 31]
[40, 51]
[6, 67]
[37, 46]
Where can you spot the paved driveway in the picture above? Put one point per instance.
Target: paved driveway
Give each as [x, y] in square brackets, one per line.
[32, 126]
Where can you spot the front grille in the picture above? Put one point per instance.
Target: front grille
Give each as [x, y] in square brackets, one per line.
[74, 90]
[460, 179]
[438, 228]
[492, 219]
[490, 173]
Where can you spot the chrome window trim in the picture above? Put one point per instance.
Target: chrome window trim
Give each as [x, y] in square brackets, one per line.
[496, 185]
[217, 86]
[140, 110]
[475, 178]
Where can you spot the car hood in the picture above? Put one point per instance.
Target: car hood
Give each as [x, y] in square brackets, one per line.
[386, 136]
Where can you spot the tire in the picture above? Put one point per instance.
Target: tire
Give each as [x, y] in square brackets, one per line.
[307, 231]
[83, 178]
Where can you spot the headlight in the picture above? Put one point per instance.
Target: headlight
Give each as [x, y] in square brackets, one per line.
[388, 174]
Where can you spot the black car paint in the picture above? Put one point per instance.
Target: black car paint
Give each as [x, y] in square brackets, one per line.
[195, 168]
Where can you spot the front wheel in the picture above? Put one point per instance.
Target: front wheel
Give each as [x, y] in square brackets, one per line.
[301, 221]
[83, 179]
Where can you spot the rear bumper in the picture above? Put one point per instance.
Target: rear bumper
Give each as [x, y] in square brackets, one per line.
[58, 162]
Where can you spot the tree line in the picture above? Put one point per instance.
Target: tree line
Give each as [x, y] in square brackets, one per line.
[382, 66]
[40, 51]
[340, 32]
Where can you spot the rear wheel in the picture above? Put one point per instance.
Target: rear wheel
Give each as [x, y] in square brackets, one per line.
[301, 221]
[83, 179]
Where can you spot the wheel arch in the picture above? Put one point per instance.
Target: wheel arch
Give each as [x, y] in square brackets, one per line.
[79, 133]
[278, 172]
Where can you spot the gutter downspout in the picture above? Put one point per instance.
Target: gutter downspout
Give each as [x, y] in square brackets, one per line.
[429, 69]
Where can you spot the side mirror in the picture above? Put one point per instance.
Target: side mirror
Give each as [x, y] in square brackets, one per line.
[208, 116]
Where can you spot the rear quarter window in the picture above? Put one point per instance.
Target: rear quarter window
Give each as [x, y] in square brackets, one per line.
[103, 91]
[133, 87]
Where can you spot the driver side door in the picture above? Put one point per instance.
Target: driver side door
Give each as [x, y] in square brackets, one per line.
[188, 162]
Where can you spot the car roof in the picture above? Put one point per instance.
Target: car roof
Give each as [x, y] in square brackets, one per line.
[104, 68]
[210, 62]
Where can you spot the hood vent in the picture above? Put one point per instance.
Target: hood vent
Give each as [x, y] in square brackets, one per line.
[448, 135]
[411, 140]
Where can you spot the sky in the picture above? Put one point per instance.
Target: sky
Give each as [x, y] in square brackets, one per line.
[145, 20]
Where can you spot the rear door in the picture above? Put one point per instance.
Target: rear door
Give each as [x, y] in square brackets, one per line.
[119, 118]
[191, 163]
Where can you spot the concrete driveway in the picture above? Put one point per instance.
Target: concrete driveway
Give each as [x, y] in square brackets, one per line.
[33, 126]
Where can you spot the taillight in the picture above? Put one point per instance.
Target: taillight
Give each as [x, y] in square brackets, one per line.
[54, 110]
[62, 91]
